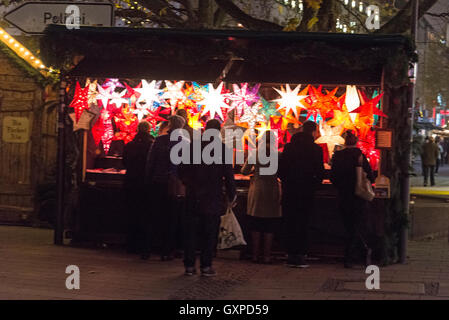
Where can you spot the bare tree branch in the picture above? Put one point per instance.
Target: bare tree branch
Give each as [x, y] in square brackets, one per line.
[401, 22]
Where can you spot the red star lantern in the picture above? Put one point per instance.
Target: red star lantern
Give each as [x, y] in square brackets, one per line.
[80, 100]
[366, 112]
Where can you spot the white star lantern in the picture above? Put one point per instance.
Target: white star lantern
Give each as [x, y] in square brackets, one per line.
[213, 101]
[252, 116]
[104, 95]
[330, 136]
[174, 93]
[141, 111]
[290, 100]
[149, 93]
[117, 99]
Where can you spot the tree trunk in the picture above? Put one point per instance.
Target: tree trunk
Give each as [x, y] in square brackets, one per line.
[326, 17]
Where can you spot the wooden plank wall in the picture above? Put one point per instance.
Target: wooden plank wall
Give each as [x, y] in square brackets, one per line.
[22, 164]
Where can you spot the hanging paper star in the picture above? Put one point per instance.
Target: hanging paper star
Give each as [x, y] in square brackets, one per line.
[131, 94]
[290, 100]
[126, 123]
[112, 84]
[193, 120]
[268, 108]
[367, 146]
[213, 101]
[153, 117]
[330, 136]
[117, 99]
[188, 101]
[342, 118]
[243, 97]
[174, 93]
[104, 95]
[262, 128]
[251, 116]
[149, 94]
[80, 100]
[92, 95]
[365, 117]
[141, 111]
[108, 129]
[324, 103]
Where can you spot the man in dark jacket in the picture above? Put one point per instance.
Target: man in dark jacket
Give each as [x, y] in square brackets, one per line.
[429, 158]
[160, 172]
[134, 159]
[301, 171]
[206, 203]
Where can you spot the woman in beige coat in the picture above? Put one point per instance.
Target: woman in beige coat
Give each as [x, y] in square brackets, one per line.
[263, 207]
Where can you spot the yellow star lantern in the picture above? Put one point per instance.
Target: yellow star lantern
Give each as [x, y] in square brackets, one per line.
[193, 121]
[341, 118]
[290, 100]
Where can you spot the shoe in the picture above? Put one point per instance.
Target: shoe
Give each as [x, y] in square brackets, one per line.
[190, 271]
[208, 272]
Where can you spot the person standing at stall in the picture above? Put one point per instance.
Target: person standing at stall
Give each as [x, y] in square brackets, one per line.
[134, 159]
[344, 177]
[301, 170]
[264, 203]
[205, 203]
[161, 177]
[429, 158]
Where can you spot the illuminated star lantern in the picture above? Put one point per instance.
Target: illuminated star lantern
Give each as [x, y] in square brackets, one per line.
[141, 111]
[131, 94]
[342, 118]
[262, 128]
[252, 116]
[268, 108]
[213, 101]
[149, 93]
[366, 114]
[174, 93]
[330, 136]
[92, 95]
[117, 99]
[154, 117]
[367, 146]
[104, 95]
[290, 100]
[112, 84]
[243, 97]
[80, 100]
[194, 121]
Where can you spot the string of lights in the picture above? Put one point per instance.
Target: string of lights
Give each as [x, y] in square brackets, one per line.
[24, 53]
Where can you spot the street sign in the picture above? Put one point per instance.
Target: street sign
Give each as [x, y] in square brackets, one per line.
[33, 17]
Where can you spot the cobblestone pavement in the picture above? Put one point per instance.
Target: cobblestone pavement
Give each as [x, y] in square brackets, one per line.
[33, 268]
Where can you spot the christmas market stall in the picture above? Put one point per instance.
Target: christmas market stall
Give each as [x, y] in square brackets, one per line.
[116, 77]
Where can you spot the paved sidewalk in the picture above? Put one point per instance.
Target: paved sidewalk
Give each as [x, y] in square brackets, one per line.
[441, 188]
[33, 268]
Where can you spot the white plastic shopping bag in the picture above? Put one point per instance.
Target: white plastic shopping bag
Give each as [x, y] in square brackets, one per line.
[230, 234]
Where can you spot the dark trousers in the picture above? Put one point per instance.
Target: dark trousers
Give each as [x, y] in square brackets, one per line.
[138, 238]
[171, 224]
[200, 230]
[429, 170]
[296, 209]
[351, 210]
[438, 165]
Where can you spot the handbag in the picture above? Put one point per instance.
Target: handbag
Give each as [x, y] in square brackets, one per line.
[230, 234]
[363, 188]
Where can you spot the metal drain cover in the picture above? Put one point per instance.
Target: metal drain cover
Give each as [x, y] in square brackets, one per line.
[416, 288]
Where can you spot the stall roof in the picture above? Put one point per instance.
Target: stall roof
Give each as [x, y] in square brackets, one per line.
[201, 55]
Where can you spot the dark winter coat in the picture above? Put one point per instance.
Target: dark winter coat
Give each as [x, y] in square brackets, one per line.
[301, 164]
[205, 183]
[430, 153]
[343, 173]
[134, 159]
